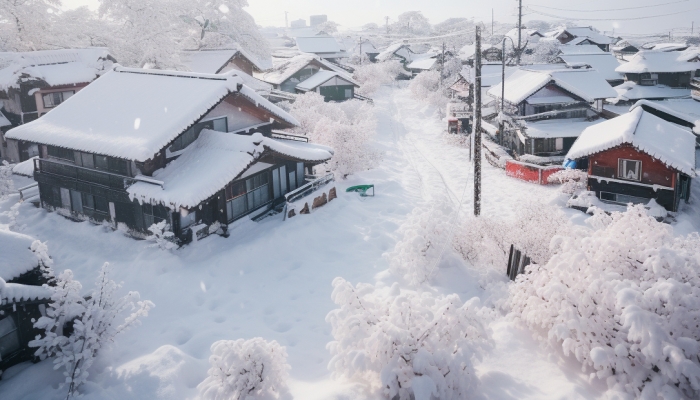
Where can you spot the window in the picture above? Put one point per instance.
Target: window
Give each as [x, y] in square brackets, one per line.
[245, 196]
[101, 162]
[9, 337]
[153, 214]
[111, 164]
[190, 135]
[187, 218]
[56, 98]
[62, 153]
[92, 203]
[629, 169]
[623, 198]
[117, 166]
[348, 93]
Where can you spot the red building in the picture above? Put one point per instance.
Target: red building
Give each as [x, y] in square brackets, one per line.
[637, 157]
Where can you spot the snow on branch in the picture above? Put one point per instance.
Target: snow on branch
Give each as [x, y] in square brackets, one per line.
[407, 344]
[242, 368]
[624, 299]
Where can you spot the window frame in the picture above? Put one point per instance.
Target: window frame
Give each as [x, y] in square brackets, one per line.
[620, 169]
[61, 94]
[14, 330]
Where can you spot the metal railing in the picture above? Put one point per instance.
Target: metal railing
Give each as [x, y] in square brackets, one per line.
[363, 98]
[22, 191]
[308, 187]
[288, 136]
[89, 175]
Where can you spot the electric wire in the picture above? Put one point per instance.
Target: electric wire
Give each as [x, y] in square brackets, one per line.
[611, 19]
[609, 9]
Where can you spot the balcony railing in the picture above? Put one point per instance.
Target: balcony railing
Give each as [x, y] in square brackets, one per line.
[97, 177]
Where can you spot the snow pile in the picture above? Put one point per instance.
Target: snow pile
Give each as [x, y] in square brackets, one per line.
[424, 236]
[657, 61]
[347, 127]
[17, 255]
[94, 326]
[25, 168]
[661, 139]
[624, 299]
[7, 186]
[573, 181]
[242, 368]
[373, 75]
[407, 344]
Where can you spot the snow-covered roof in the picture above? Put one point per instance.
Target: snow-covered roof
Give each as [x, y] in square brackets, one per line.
[587, 84]
[322, 77]
[685, 109]
[133, 113]
[657, 61]
[669, 46]
[491, 74]
[604, 63]
[424, 64]
[284, 68]
[513, 34]
[212, 61]
[557, 128]
[388, 53]
[212, 162]
[250, 81]
[318, 44]
[632, 91]
[25, 168]
[15, 292]
[581, 49]
[16, 256]
[55, 67]
[661, 139]
[591, 34]
[367, 47]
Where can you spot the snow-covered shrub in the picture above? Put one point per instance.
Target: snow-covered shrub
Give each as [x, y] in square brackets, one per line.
[94, 324]
[542, 52]
[371, 76]
[424, 236]
[242, 368]
[483, 241]
[11, 216]
[6, 184]
[426, 87]
[347, 127]
[624, 299]
[41, 250]
[573, 181]
[161, 236]
[407, 344]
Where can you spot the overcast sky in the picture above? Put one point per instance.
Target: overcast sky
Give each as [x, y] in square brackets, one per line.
[355, 13]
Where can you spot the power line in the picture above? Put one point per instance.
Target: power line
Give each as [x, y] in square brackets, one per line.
[610, 9]
[611, 19]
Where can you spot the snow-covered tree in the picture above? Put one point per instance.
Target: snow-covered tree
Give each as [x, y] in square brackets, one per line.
[347, 127]
[412, 22]
[542, 52]
[329, 27]
[371, 76]
[24, 23]
[407, 344]
[424, 236]
[94, 324]
[426, 86]
[242, 368]
[6, 184]
[624, 299]
[573, 181]
[161, 236]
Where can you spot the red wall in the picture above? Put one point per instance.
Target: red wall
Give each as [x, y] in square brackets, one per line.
[654, 172]
[530, 172]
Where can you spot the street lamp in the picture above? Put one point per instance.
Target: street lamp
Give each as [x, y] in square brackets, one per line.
[503, 87]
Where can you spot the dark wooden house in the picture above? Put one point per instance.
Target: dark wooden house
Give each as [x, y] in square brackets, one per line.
[138, 147]
[637, 157]
[333, 86]
[23, 299]
[546, 109]
[35, 82]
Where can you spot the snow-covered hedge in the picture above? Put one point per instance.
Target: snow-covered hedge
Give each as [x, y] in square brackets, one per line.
[6, 184]
[242, 368]
[371, 76]
[407, 344]
[573, 181]
[624, 299]
[347, 127]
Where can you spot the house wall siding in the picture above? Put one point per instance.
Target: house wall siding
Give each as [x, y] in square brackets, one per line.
[654, 172]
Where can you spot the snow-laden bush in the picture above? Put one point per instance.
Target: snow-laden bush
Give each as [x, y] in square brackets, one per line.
[347, 127]
[6, 184]
[371, 76]
[94, 321]
[573, 181]
[242, 368]
[407, 344]
[624, 299]
[426, 87]
[161, 236]
[424, 236]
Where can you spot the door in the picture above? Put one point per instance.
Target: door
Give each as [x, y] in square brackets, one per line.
[292, 180]
[65, 198]
[76, 201]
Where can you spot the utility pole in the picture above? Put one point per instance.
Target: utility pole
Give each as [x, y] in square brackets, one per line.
[442, 63]
[477, 125]
[387, 25]
[286, 22]
[692, 28]
[520, 30]
[501, 123]
[360, 50]
[492, 22]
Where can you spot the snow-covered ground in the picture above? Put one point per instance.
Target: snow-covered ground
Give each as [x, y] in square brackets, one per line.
[273, 278]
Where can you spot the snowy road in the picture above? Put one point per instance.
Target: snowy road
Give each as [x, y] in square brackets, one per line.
[273, 279]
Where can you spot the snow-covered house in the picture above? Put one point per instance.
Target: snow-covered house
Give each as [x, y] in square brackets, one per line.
[366, 48]
[489, 53]
[683, 112]
[397, 51]
[325, 47]
[35, 82]
[23, 300]
[657, 75]
[138, 147]
[637, 157]
[546, 109]
[298, 75]
[591, 56]
[526, 35]
[220, 61]
[581, 35]
[625, 48]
